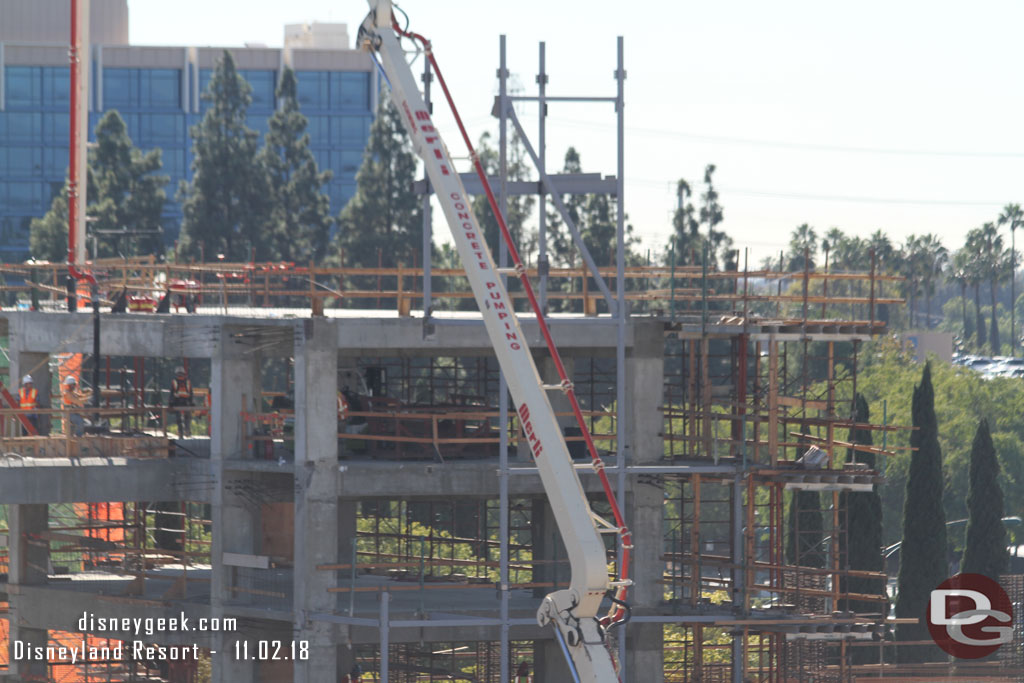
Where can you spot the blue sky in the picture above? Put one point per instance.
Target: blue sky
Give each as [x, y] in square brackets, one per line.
[904, 116]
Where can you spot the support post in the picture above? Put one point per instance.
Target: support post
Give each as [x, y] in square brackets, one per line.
[28, 560]
[316, 498]
[234, 386]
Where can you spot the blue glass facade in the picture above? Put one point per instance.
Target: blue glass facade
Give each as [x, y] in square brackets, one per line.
[34, 131]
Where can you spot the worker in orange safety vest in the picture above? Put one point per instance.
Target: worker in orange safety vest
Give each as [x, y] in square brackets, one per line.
[73, 398]
[181, 396]
[28, 400]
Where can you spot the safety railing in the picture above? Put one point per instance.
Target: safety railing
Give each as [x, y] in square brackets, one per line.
[79, 431]
[392, 430]
[676, 291]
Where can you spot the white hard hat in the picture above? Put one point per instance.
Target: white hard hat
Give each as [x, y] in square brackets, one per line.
[27, 379]
[70, 379]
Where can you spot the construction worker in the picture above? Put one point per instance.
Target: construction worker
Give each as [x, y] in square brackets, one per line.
[28, 400]
[523, 673]
[72, 398]
[181, 396]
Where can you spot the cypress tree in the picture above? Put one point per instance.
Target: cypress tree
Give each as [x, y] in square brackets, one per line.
[923, 553]
[299, 216]
[985, 549]
[226, 204]
[862, 542]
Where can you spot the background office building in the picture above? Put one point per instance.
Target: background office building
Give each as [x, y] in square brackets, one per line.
[157, 92]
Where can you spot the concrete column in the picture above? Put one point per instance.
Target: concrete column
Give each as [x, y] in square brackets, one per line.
[37, 365]
[645, 380]
[316, 494]
[645, 365]
[234, 387]
[28, 563]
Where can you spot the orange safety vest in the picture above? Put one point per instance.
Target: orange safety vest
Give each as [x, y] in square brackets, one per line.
[69, 398]
[181, 388]
[27, 398]
[342, 406]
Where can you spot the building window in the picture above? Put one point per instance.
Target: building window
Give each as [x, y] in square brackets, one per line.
[350, 131]
[25, 161]
[120, 88]
[312, 89]
[24, 196]
[160, 88]
[263, 87]
[24, 127]
[350, 89]
[173, 165]
[55, 128]
[56, 86]
[23, 86]
[345, 163]
[319, 132]
[55, 162]
[156, 130]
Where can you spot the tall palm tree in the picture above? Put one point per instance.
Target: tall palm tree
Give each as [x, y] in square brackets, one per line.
[976, 268]
[1014, 217]
[909, 266]
[802, 241]
[958, 273]
[993, 262]
[934, 259]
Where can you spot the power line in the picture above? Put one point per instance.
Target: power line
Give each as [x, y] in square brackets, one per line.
[805, 146]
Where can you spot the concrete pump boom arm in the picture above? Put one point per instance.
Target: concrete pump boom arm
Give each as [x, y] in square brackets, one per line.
[574, 610]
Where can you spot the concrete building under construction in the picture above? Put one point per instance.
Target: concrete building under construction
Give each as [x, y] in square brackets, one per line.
[345, 492]
[409, 536]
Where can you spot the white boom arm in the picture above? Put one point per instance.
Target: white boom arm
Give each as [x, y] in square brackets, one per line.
[572, 610]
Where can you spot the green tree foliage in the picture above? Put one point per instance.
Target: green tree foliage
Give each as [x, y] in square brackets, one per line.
[990, 263]
[803, 244]
[383, 218]
[962, 399]
[720, 245]
[922, 260]
[518, 209]
[863, 538]
[960, 276]
[985, 547]
[299, 220]
[226, 204]
[48, 236]
[594, 215]
[686, 242]
[923, 554]
[124, 193]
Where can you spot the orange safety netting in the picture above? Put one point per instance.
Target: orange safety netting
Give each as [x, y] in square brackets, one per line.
[76, 673]
[109, 520]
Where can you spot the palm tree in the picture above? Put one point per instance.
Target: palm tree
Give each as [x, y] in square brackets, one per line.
[803, 242]
[1014, 217]
[976, 268]
[992, 263]
[909, 266]
[935, 257]
[958, 274]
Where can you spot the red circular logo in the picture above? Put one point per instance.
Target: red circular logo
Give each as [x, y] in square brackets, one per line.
[970, 616]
